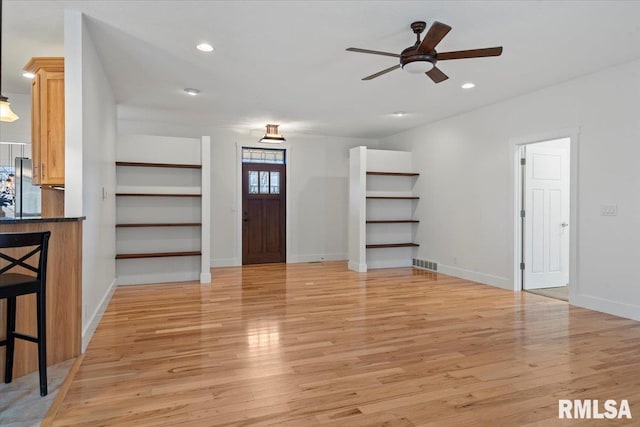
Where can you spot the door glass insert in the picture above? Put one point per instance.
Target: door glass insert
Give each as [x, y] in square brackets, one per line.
[253, 182]
[275, 182]
[264, 182]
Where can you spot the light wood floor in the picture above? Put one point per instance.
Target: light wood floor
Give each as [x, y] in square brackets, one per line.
[307, 344]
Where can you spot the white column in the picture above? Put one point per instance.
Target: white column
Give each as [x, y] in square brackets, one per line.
[205, 259]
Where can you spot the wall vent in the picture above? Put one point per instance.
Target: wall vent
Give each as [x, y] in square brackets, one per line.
[427, 265]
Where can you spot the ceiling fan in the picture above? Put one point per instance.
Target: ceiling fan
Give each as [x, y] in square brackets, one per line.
[422, 56]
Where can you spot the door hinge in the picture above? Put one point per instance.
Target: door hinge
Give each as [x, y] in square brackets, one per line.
[522, 213]
[523, 161]
[522, 266]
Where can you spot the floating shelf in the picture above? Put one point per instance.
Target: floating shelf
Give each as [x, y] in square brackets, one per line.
[393, 173]
[165, 224]
[391, 221]
[394, 197]
[158, 195]
[159, 165]
[392, 245]
[158, 255]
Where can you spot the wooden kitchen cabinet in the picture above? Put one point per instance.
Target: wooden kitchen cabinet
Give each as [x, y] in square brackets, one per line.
[47, 120]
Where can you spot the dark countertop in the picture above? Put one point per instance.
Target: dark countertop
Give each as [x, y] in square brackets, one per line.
[30, 219]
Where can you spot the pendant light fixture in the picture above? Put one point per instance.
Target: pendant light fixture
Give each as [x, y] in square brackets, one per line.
[6, 115]
[272, 135]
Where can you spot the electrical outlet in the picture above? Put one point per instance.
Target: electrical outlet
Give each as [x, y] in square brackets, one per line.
[608, 210]
[455, 260]
[104, 193]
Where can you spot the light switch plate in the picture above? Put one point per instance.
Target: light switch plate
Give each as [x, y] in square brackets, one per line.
[608, 210]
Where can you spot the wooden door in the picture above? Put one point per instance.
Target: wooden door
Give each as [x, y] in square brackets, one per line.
[263, 213]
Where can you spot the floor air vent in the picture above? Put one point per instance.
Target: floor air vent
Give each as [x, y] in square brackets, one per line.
[428, 265]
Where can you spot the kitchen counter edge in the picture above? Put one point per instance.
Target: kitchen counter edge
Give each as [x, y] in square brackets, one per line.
[12, 220]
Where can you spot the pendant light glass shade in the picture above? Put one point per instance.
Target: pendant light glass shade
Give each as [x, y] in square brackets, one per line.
[6, 115]
[272, 135]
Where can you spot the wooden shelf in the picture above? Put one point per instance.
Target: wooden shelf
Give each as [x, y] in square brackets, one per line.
[393, 173]
[159, 165]
[394, 197]
[158, 195]
[164, 224]
[391, 221]
[392, 245]
[157, 255]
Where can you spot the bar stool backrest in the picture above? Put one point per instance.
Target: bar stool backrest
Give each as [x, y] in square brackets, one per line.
[40, 242]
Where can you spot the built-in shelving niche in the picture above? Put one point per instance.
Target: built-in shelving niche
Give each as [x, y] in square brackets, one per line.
[163, 214]
[382, 202]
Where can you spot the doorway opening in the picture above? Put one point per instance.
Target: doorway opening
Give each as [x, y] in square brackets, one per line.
[264, 195]
[544, 198]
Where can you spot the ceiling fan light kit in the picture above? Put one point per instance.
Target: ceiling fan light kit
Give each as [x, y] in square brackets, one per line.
[422, 56]
[272, 136]
[417, 66]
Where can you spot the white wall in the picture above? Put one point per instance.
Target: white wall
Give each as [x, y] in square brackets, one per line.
[90, 166]
[466, 185]
[318, 169]
[20, 130]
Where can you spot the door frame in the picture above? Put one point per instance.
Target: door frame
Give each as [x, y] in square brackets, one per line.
[516, 173]
[238, 205]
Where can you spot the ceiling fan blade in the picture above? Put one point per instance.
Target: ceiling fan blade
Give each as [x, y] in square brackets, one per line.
[435, 34]
[374, 52]
[472, 53]
[379, 73]
[436, 75]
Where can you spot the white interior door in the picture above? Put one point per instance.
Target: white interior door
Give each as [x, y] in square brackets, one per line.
[546, 204]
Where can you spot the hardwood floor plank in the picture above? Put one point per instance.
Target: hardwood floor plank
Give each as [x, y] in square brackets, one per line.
[316, 344]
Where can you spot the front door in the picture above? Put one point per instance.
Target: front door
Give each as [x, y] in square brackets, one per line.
[546, 206]
[263, 213]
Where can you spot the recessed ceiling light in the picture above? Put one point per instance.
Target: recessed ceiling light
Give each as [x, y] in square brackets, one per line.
[204, 47]
[399, 113]
[191, 91]
[468, 85]
[28, 75]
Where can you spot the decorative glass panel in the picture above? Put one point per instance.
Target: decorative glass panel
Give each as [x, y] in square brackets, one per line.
[262, 155]
[253, 182]
[275, 183]
[264, 182]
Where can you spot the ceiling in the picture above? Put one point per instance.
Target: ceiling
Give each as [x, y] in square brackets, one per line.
[285, 62]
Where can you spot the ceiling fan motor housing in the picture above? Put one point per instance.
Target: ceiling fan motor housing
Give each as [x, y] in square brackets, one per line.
[408, 56]
[411, 53]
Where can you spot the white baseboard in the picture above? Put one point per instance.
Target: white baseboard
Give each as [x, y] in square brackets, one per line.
[205, 277]
[226, 262]
[487, 279]
[142, 279]
[94, 320]
[615, 308]
[391, 263]
[317, 257]
[354, 266]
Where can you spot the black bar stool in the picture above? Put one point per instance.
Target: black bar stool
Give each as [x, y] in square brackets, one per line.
[13, 285]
